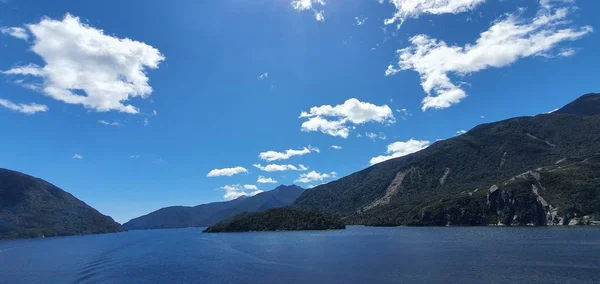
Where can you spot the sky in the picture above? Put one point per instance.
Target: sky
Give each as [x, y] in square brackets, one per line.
[136, 105]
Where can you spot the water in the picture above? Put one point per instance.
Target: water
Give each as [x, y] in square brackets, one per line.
[356, 255]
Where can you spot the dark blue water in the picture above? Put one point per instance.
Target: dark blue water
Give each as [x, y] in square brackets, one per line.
[356, 255]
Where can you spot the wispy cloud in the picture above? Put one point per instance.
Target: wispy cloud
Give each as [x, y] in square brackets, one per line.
[114, 123]
[415, 8]
[23, 108]
[508, 39]
[280, 168]
[263, 76]
[271, 156]
[17, 32]
[77, 157]
[310, 5]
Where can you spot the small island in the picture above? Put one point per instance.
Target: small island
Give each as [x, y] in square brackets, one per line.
[278, 219]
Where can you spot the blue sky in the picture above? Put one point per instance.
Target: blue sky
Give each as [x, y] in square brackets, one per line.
[131, 105]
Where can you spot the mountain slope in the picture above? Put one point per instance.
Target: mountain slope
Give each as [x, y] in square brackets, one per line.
[211, 213]
[394, 191]
[31, 207]
[278, 219]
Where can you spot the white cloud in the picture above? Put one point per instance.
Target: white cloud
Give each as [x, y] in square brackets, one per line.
[250, 187]
[77, 157]
[85, 66]
[314, 176]
[146, 121]
[414, 8]
[404, 113]
[310, 5]
[344, 116]
[17, 32]
[508, 39]
[359, 21]
[336, 147]
[263, 76]
[271, 156]
[262, 179]
[134, 156]
[566, 52]
[374, 136]
[320, 16]
[114, 123]
[23, 108]
[154, 112]
[460, 132]
[400, 149]
[235, 191]
[227, 172]
[280, 168]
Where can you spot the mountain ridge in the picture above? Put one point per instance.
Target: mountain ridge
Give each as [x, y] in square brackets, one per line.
[487, 154]
[208, 214]
[32, 207]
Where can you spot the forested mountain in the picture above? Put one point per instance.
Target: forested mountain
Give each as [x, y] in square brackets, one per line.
[211, 213]
[426, 187]
[31, 207]
[278, 219]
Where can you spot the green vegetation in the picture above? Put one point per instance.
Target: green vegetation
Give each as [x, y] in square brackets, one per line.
[211, 213]
[278, 219]
[31, 207]
[486, 155]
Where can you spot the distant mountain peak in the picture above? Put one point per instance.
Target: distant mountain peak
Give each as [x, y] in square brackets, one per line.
[283, 186]
[588, 104]
[208, 214]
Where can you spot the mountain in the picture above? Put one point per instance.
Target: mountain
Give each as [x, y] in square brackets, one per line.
[425, 188]
[211, 213]
[31, 207]
[278, 219]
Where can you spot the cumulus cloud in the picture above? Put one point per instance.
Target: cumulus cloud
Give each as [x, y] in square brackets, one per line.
[280, 168]
[85, 66]
[263, 76]
[227, 172]
[314, 176]
[235, 191]
[17, 32]
[271, 156]
[336, 147]
[114, 123]
[77, 157]
[23, 108]
[344, 117]
[509, 39]
[310, 5]
[400, 149]
[262, 179]
[414, 8]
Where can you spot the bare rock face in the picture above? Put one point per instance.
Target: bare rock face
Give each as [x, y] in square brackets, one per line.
[533, 161]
